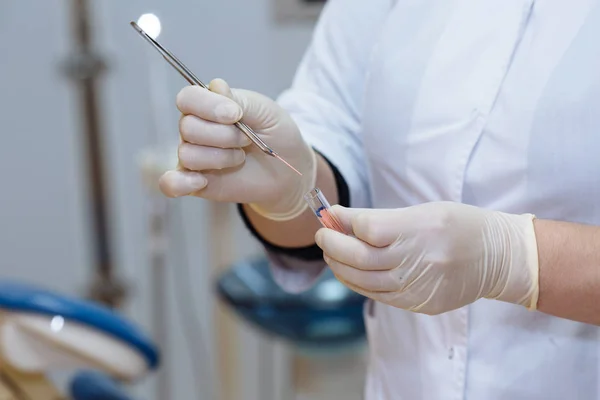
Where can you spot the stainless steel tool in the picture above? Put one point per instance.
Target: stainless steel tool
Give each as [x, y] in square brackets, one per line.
[193, 80]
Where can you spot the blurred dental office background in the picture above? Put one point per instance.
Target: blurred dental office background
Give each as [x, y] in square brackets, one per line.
[161, 264]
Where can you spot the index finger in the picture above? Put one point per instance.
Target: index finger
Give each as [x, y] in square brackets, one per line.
[208, 105]
[378, 227]
[354, 252]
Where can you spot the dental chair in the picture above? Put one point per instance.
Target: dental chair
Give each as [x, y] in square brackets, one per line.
[42, 332]
[328, 316]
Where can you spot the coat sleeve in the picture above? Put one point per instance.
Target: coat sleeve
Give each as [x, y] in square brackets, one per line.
[326, 101]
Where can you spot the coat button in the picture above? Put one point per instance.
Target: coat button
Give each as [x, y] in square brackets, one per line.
[451, 353]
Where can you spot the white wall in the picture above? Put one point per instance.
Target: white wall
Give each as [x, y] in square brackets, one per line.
[42, 216]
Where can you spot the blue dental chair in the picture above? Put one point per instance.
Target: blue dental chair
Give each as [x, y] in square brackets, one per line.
[42, 331]
[329, 315]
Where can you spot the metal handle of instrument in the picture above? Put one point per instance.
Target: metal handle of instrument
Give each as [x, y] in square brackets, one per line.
[193, 80]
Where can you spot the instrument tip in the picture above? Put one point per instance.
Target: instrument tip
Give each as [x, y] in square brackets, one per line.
[137, 28]
[286, 163]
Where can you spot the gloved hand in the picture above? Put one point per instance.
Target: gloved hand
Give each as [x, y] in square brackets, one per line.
[218, 162]
[434, 257]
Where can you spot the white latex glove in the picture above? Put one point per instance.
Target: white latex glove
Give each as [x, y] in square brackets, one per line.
[218, 162]
[434, 257]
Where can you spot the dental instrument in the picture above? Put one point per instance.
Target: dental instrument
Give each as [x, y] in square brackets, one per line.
[320, 206]
[193, 80]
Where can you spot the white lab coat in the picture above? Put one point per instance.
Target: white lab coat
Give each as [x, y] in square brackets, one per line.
[494, 103]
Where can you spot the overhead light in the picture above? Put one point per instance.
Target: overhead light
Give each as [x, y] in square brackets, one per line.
[150, 24]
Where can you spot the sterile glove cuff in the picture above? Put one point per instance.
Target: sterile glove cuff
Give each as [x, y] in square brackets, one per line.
[533, 264]
[521, 284]
[295, 212]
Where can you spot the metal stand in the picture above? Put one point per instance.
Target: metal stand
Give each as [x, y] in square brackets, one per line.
[157, 249]
[84, 67]
[159, 275]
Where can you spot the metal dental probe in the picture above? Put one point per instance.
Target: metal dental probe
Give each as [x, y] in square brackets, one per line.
[193, 80]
